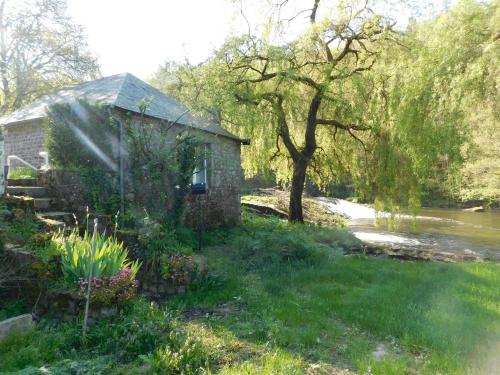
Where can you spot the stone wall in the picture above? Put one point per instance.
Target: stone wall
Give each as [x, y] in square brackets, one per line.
[221, 205]
[25, 140]
[67, 188]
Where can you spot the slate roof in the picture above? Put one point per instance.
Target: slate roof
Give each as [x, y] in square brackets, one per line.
[123, 91]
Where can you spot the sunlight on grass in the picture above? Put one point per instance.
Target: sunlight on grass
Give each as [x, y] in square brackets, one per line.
[430, 317]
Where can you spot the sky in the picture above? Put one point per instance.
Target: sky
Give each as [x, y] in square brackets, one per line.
[138, 36]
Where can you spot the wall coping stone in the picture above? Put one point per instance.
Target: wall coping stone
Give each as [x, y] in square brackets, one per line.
[21, 323]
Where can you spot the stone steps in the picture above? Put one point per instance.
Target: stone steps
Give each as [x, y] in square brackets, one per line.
[51, 223]
[42, 204]
[21, 182]
[30, 191]
[24, 193]
[64, 217]
[35, 204]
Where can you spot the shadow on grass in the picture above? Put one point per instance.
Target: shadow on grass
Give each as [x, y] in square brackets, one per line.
[444, 317]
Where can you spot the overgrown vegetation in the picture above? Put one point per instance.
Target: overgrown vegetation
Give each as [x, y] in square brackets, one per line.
[160, 167]
[89, 148]
[281, 298]
[109, 260]
[157, 160]
[113, 346]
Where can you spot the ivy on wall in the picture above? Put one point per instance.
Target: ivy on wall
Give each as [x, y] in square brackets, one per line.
[158, 162]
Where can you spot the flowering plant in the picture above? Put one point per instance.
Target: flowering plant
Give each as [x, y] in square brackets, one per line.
[114, 290]
[178, 269]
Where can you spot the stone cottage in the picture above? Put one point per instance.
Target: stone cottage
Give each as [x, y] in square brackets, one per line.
[24, 136]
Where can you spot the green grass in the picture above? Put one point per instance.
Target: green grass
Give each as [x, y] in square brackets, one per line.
[22, 173]
[282, 299]
[327, 311]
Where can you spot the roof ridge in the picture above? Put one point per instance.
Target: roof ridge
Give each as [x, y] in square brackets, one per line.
[125, 76]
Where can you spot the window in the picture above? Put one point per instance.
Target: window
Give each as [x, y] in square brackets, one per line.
[200, 174]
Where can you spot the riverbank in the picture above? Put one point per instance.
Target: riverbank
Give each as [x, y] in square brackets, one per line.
[434, 234]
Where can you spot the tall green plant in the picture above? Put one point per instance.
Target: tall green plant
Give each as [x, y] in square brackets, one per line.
[109, 259]
[160, 163]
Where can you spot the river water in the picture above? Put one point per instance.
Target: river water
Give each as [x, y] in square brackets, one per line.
[440, 229]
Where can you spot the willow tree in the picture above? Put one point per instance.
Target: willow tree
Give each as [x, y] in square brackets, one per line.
[295, 85]
[348, 99]
[437, 106]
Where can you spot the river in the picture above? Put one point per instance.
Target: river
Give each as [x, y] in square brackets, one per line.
[439, 229]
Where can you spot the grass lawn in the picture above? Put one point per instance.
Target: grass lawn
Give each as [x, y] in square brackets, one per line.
[325, 312]
[281, 299]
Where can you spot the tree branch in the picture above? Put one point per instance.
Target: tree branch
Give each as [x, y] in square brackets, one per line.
[339, 125]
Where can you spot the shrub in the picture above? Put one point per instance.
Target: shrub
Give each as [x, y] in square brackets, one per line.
[20, 227]
[109, 259]
[160, 242]
[178, 269]
[139, 330]
[115, 290]
[160, 170]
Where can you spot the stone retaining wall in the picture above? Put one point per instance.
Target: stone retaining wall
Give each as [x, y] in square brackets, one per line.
[21, 323]
[66, 188]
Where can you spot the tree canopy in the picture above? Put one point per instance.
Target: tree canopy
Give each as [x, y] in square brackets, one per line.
[353, 101]
[41, 49]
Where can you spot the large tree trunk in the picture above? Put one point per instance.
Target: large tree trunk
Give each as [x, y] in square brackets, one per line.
[295, 213]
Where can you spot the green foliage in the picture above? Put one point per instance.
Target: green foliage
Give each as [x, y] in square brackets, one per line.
[183, 355]
[18, 226]
[109, 259]
[81, 137]
[161, 164]
[46, 344]
[159, 161]
[43, 50]
[178, 269]
[21, 173]
[417, 99]
[267, 242]
[9, 309]
[161, 241]
[282, 313]
[140, 330]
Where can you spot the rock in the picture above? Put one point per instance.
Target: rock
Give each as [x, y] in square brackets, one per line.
[162, 288]
[19, 255]
[171, 290]
[21, 323]
[474, 209]
[380, 353]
